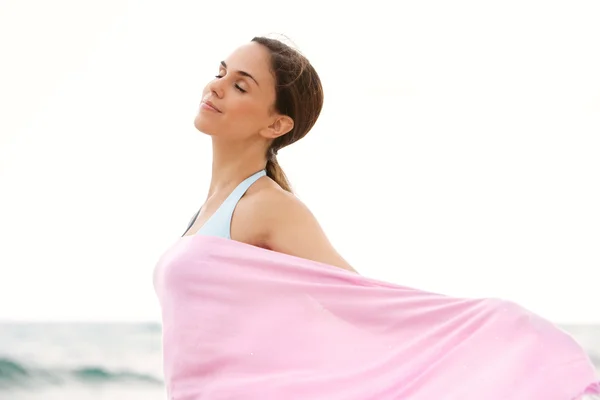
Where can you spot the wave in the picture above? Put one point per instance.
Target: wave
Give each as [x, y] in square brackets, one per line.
[14, 373]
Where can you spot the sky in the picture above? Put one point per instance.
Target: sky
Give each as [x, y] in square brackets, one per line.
[457, 150]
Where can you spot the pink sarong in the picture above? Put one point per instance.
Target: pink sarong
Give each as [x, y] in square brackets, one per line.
[241, 322]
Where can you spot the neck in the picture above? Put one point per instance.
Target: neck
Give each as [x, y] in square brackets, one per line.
[233, 162]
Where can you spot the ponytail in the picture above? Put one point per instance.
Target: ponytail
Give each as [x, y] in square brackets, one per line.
[275, 172]
[298, 95]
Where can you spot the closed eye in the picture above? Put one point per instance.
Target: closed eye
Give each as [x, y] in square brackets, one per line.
[236, 85]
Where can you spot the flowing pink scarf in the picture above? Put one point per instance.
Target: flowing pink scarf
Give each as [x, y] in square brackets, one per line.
[241, 322]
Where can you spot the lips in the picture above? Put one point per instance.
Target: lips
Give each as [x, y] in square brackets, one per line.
[211, 105]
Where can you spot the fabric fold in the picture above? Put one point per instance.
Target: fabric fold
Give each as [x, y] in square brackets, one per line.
[241, 322]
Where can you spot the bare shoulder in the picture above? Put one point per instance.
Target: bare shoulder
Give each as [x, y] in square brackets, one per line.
[283, 223]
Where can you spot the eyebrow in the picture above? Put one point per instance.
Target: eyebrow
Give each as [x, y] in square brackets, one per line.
[243, 73]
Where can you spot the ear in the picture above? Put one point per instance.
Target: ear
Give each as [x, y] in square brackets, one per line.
[279, 127]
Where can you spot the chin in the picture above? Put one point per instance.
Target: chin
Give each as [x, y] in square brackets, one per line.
[203, 125]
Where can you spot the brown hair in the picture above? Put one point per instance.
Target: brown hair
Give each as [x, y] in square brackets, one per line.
[298, 94]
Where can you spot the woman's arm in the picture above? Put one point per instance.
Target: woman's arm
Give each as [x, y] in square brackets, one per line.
[291, 228]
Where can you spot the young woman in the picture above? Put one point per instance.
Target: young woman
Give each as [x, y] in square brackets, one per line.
[265, 97]
[258, 305]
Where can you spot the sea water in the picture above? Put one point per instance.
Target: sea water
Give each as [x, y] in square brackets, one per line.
[117, 361]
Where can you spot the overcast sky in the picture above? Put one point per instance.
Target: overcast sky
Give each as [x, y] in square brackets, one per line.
[457, 151]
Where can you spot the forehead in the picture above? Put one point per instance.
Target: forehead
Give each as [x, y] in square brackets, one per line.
[252, 58]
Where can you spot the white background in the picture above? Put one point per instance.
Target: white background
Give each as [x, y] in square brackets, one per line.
[458, 150]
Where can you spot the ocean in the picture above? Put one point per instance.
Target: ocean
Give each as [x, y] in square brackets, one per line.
[119, 361]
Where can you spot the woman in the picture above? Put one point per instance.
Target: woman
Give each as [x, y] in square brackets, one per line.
[251, 114]
[257, 304]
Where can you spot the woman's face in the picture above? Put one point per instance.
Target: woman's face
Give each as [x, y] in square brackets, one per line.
[243, 93]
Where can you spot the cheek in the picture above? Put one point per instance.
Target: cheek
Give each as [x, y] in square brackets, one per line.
[247, 110]
[243, 104]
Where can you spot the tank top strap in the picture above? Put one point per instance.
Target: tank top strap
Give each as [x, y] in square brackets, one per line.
[219, 224]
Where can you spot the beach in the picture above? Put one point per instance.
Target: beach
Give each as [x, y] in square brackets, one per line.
[116, 361]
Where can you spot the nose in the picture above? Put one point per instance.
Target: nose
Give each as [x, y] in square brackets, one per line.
[216, 87]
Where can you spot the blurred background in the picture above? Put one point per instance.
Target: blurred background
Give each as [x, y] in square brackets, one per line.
[457, 152]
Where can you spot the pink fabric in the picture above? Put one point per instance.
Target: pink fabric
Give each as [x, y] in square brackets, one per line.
[240, 322]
